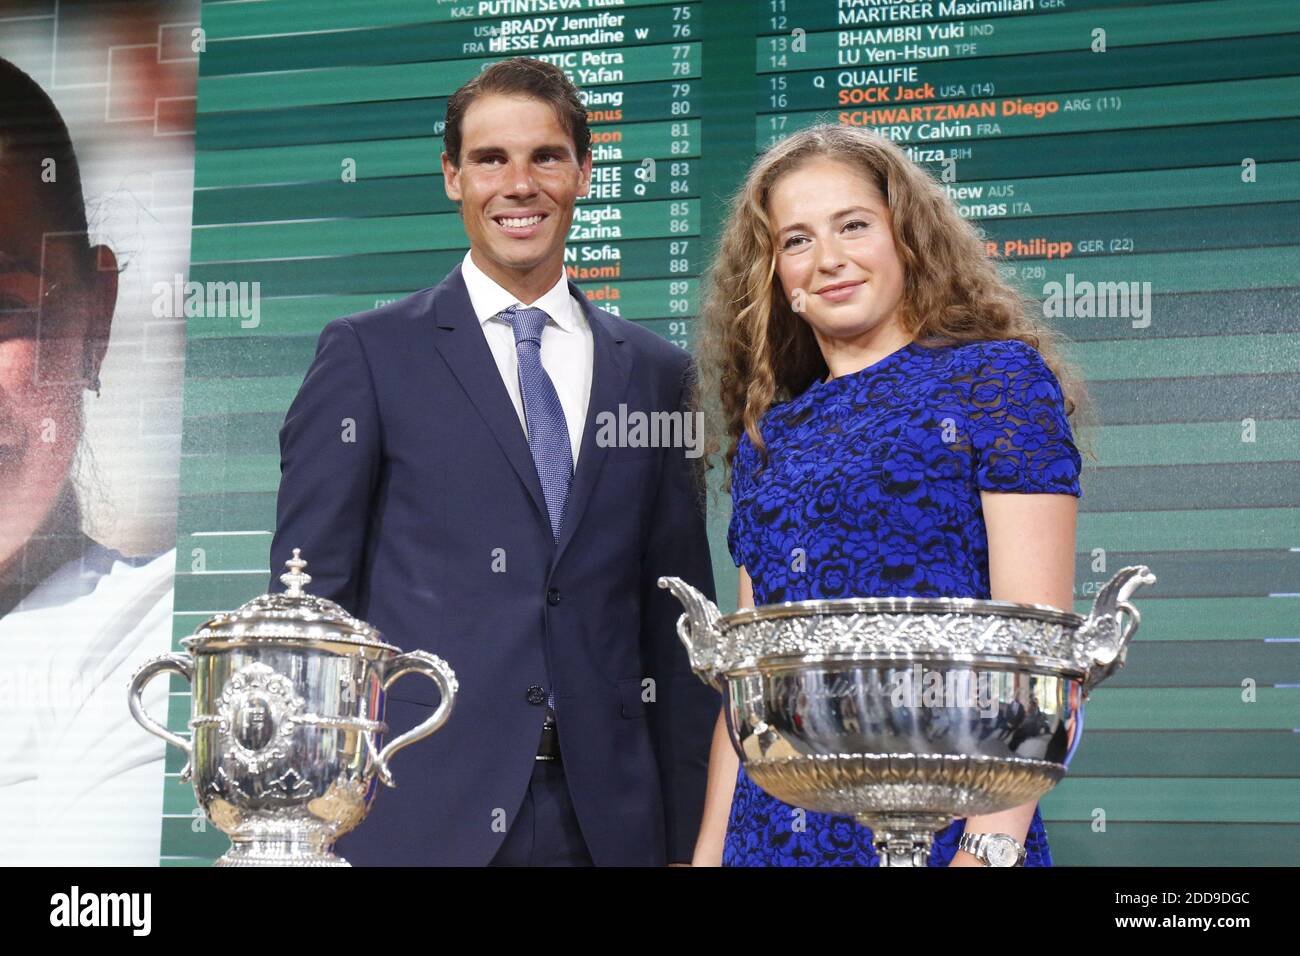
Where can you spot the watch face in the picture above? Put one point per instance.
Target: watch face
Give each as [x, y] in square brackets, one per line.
[1001, 852]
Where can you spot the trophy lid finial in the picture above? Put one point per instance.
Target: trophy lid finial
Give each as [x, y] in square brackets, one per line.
[291, 615]
[295, 579]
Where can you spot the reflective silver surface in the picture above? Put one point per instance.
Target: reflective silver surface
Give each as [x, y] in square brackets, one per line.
[907, 713]
[287, 721]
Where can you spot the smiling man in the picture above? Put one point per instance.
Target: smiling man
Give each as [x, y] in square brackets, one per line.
[442, 474]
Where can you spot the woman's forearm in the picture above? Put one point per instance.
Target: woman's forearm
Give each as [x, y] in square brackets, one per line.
[1031, 539]
[723, 766]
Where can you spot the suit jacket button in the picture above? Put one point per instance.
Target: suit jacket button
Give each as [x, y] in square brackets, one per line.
[553, 597]
[536, 694]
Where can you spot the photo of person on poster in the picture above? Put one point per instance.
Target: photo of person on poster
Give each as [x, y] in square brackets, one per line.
[79, 782]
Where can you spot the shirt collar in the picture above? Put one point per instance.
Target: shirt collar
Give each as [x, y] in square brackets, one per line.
[489, 299]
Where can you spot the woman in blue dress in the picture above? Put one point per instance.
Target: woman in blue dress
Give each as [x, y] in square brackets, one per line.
[897, 425]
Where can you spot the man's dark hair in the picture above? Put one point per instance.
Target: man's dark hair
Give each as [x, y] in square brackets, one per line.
[521, 76]
[32, 131]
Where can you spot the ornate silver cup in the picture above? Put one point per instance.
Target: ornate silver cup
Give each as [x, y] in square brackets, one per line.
[907, 713]
[287, 716]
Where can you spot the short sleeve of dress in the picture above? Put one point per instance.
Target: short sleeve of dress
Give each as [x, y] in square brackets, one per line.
[1020, 435]
[742, 493]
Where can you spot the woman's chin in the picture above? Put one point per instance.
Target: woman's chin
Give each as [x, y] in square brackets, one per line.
[843, 328]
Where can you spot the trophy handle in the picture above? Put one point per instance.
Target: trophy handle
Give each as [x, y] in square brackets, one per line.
[698, 630]
[181, 664]
[437, 670]
[1108, 629]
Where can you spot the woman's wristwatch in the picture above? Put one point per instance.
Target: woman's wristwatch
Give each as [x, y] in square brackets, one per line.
[993, 849]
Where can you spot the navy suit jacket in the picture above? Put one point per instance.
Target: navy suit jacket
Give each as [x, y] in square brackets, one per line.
[406, 525]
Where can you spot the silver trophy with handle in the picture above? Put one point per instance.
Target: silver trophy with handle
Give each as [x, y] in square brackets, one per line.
[907, 713]
[288, 720]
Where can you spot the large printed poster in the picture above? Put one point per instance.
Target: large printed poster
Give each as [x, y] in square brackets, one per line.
[96, 175]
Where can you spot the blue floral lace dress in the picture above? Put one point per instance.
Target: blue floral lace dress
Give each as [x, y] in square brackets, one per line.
[876, 476]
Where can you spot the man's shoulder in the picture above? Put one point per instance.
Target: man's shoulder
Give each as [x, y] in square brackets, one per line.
[395, 315]
[388, 315]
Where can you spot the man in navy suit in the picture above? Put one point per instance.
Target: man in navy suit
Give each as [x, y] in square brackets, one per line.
[446, 475]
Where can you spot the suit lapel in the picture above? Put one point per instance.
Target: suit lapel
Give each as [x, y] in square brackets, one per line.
[461, 341]
[610, 374]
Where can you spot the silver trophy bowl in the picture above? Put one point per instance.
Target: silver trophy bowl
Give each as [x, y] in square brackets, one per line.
[288, 720]
[907, 713]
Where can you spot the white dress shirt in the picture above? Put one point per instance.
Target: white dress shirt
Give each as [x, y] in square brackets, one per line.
[81, 783]
[567, 348]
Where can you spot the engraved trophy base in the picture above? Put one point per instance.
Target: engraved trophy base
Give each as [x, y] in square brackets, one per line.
[283, 852]
[904, 798]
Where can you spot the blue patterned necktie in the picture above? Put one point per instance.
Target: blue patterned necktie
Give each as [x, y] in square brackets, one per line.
[548, 432]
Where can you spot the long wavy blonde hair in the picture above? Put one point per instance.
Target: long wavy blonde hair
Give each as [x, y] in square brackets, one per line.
[755, 351]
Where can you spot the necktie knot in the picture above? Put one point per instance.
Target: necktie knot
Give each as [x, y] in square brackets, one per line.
[528, 323]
